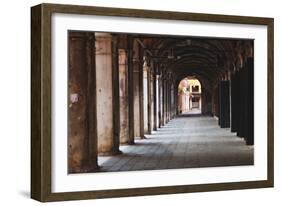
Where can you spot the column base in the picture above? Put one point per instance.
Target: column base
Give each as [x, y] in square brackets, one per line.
[142, 137]
[127, 143]
[233, 130]
[85, 169]
[110, 153]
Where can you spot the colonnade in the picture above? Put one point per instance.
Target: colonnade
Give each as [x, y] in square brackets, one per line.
[121, 96]
[233, 101]
[119, 92]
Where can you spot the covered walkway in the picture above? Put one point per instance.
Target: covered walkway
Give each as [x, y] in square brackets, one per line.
[185, 142]
[143, 101]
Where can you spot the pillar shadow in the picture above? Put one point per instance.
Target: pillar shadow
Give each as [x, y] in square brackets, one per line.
[192, 115]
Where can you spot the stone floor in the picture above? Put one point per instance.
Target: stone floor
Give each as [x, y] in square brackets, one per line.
[193, 111]
[185, 142]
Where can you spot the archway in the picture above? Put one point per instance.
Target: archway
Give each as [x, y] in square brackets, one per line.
[189, 96]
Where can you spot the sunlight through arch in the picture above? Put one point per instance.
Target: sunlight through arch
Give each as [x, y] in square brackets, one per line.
[189, 96]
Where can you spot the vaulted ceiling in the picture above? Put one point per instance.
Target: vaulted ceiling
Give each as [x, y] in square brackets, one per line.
[205, 58]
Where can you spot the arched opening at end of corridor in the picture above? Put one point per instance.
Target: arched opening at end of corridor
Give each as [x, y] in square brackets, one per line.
[189, 96]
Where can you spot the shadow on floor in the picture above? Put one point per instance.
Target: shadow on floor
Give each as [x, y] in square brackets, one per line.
[193, 142]
[193, 115]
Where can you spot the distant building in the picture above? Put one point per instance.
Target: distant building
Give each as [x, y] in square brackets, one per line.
[189, 95]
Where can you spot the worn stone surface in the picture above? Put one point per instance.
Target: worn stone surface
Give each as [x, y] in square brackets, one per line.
[157, 101]
[145, 99]
[150, 100]
[123, 91]
[104, 92]
[136, 105]
[82, 138]
[77, 94]
[136, 85]
[185, 142]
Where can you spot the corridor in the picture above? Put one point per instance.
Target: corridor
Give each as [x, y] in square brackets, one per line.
[143, 101]
[185, 142]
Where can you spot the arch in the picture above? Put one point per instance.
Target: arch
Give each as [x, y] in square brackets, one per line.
[189, 96]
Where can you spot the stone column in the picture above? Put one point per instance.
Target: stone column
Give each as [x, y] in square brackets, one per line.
[82, 136]
[176, 96]
[149, 99]
[246, 102]
[107, 75]
[234, 103]
[136, 84]
[215, 101]
[152, 103]
[241, 108]
[155, 103]
[250, 103]
[224, 104]
[145, 98]
[91, 161]
[115, 95]
[160, 101]
[130, 90]
[172, 101]
[163, 99]
[123, 90]
[166, 101]
[141, 89]
[202, 101]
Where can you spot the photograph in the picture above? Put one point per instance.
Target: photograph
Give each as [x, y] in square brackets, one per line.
[132, 102]
[154, 102]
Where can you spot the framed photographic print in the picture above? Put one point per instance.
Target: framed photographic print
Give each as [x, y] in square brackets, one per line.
[130, 102]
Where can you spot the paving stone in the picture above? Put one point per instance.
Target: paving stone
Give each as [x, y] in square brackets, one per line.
[185, 142]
